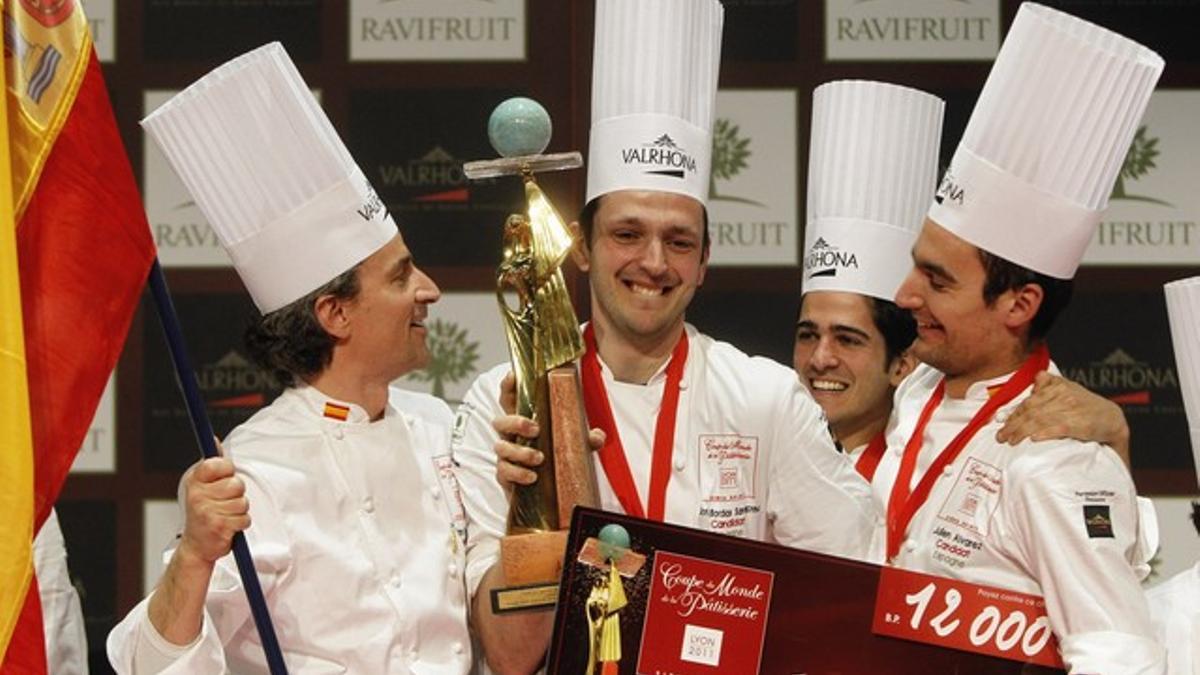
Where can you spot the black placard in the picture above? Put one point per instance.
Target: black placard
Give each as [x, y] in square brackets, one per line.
[90, 533]
[412, 144]
[199, 30]
[232, 386]
[1166, 26]
[761, 323]
[761, 30]
[1118, 344]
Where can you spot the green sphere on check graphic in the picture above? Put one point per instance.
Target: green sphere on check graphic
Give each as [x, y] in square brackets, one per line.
[614, 540]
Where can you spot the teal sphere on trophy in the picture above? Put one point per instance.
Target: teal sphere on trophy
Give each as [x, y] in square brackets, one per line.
[518, 127]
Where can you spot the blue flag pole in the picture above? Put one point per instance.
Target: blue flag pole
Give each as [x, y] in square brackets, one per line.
[186, 377]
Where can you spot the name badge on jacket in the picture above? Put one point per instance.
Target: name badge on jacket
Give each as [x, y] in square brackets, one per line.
[728, 482]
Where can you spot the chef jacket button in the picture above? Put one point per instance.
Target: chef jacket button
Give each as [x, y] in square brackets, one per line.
[1000, 416]
[396, 582]
[458, 647]
[437, 494]
[898, 451]
[682, 385]
[368, 505]
[679, 462]
[453, 569]
[948, 470]
[338, 433]
[910, 545]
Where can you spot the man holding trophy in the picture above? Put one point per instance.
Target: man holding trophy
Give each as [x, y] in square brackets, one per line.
[697, 433]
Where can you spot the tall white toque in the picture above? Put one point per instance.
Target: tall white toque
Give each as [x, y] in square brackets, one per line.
[272, 177]
[872, 165]
[1183, 313]
[1046, 140]
[654, 87]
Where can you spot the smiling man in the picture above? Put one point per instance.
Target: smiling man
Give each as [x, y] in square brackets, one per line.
[878, 139]
[668, 397]
[992, 269]
[357, 533]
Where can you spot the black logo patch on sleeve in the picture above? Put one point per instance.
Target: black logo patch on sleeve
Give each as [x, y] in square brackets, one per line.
[1097, 520]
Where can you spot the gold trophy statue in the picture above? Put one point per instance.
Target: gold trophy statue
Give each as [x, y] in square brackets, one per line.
[544, 341]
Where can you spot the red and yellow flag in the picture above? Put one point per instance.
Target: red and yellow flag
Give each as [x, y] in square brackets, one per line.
[82, 253]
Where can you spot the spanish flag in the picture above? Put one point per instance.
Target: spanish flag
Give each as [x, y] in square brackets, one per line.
[75, 250]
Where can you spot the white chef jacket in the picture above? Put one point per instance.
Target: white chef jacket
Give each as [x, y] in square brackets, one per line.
[779, 479]
[62, 617]
[356, 531]
[1014, 517]
[1175, 610]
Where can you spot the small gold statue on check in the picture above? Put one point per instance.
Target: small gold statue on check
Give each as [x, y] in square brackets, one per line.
[604, 604]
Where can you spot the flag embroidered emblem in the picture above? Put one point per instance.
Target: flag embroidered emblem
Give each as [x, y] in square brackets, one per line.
[336, 411]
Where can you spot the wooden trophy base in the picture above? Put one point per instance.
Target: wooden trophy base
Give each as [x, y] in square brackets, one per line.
[532, 562]
[532, 565]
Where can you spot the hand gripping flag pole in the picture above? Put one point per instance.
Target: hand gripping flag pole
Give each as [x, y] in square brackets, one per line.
[186, 377]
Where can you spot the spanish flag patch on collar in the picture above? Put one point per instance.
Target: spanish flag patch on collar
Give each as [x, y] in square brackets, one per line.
[336, 411]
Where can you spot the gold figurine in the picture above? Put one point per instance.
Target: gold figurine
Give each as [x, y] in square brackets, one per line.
[543, 334]
[604, 604]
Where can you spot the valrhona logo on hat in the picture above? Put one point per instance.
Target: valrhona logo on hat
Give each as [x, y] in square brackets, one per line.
[373, 206]
[949, 190]
[824, 260]
[662, 156]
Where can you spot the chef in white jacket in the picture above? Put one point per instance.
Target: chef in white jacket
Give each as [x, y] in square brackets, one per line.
[1175, 603]
[992, 267]
[62, 615]
[697, 432]
[882, 140]
[345, 485]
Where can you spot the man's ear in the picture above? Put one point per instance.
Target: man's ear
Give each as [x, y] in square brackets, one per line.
[900, 367]
[580, 252]
[333, 315]
[1023, 305]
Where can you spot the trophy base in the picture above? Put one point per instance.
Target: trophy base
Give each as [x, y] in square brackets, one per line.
[532, 565]
[518, 598]
[574, 465]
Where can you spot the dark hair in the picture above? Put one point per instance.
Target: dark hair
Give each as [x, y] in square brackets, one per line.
[1196, 516]
[587, 218]
[1002, 275]
[897, 325]
[289, 342]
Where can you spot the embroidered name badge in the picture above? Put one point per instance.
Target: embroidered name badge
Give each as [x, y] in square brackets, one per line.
[1098, 521]
[728, 467]
[446, 466]
[974, 497]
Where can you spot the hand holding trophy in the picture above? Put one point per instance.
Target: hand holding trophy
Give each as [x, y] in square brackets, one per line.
[544, 340]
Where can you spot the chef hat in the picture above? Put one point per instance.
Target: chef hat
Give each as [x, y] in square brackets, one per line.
[872, 164]
[272, 177]
[1183, 313]
[654, 86]
[1046, 140]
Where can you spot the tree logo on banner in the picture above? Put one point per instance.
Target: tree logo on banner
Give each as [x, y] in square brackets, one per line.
[452, 357]
[729, 154]
[1138, 162]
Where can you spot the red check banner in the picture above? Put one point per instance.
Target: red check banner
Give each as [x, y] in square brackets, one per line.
[958, 615]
